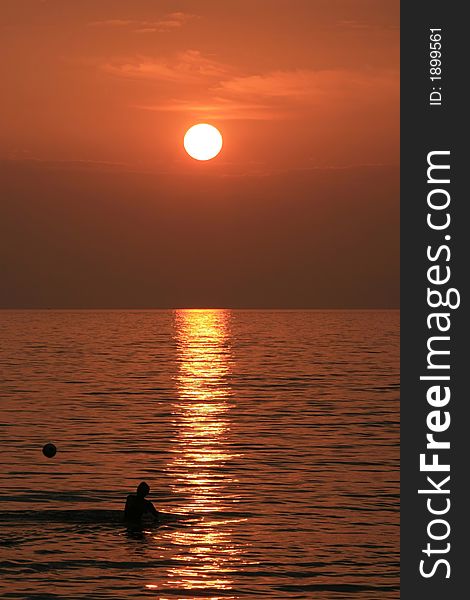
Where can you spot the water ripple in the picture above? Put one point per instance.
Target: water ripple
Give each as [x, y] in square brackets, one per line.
[276, 432]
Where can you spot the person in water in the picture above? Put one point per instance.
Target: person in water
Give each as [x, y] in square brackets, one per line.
[137, 506]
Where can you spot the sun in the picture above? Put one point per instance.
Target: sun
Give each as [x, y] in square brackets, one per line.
[203, 141]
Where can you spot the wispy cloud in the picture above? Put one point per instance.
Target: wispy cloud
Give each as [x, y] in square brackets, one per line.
[168, 22]
[302, 86]
[199, 83]
[111, 23]
[185, 67]
[281, 94]
[217, 108]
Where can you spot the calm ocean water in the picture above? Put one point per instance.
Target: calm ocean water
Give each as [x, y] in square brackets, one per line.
[276, 432]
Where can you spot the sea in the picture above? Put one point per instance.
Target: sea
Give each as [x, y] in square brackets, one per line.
[271, 437]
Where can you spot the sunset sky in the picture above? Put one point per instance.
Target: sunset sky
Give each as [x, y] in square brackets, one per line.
[100, 204]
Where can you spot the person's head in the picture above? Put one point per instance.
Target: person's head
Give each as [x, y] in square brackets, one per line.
[143, 489]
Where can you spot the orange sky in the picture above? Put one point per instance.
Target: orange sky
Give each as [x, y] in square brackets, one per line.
[97, 97]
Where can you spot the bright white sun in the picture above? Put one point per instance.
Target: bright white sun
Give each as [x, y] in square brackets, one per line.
[203, 141]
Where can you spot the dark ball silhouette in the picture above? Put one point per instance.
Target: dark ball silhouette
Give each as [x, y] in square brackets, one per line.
[49, 450]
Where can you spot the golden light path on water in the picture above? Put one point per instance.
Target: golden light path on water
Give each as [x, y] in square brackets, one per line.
[200, 452]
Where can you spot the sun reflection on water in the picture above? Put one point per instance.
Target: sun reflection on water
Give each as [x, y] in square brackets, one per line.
[201, 449]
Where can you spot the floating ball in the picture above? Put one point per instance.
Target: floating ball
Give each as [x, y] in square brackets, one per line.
[49, 450]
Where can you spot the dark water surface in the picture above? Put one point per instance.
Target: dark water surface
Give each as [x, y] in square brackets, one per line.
[277, 432]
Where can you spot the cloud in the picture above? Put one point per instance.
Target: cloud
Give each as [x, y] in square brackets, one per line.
[217, 108]
[168, 22]
[111, 23]
[198, 83]
[186, 67]
[280, 94]
[305, 85]
[27, 159]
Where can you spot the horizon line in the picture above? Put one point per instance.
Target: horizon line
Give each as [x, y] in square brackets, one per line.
[97, 308]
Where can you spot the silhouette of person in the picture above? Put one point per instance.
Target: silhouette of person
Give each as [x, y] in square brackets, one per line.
[137, 505]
